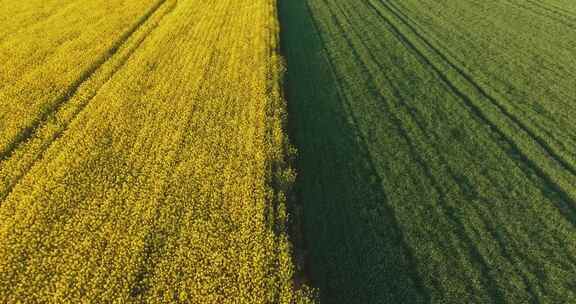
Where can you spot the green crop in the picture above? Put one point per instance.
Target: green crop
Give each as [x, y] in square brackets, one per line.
[437, 149]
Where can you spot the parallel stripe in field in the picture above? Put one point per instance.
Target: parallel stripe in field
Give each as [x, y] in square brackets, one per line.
[154, 250]
[547, 12]
[568, 210]
[543, 128]
[71, 107]
[496, 98]
[28, 131]
[480, 262]
[483, 264]
[554, 9]
[119, 55]
[418, 282]
[478, 87]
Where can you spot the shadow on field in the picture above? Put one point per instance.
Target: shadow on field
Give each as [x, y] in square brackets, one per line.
[356, 249]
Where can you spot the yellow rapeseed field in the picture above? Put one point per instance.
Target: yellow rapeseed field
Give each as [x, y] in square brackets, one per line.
[143, 156]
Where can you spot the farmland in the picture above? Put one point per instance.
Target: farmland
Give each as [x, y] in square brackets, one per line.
[143, 156]
[240, 151]
[436, 148]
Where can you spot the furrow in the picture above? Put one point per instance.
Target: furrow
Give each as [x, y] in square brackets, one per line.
[555, 10]
[153, 250]
[568, 210]
[422, 164]
[518, 108]
[543, 11]
[383, 208]
[482, 264]
[505, 252]
[549, 150]
[28, 131]
[26, 154]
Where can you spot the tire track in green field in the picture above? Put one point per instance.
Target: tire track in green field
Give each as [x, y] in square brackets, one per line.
[492, 287]
[423, 164]
[568, 205]
[509, 34]
[469, 79]
[560, 146]
[374, 198]
[530, 288]
[482, 264]
[478, 87]
[423, 290]
[555, 9]
[363, 143]
[540, 10]
[480, 221]
[62, 126]
[29, 131]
